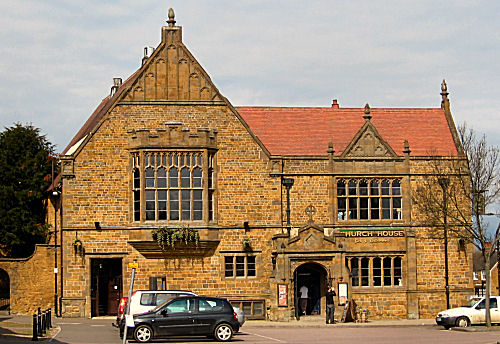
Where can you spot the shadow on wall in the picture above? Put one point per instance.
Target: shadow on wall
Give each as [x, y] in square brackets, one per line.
[4, 290]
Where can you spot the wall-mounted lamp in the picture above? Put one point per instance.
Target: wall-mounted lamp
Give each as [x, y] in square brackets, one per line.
[97, 225]
[246, 226]
[461, 245]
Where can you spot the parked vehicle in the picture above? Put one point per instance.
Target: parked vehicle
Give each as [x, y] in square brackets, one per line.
[466, 316]
[240, 314]
[186, 316]
[145, 300]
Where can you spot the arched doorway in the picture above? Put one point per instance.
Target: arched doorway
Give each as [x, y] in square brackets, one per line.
[4, 290]
[314, 277]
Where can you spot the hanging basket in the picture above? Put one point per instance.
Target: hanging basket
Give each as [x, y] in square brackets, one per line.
[247, 244]
[78, 247]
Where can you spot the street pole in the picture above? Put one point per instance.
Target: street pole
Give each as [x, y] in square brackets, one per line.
[55, 193]
[127, 309]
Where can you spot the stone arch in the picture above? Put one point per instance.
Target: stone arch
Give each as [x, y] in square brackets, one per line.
[4, 290]
[314, 276]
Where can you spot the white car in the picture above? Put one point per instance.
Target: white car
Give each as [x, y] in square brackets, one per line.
[466, 316]
[145, 300]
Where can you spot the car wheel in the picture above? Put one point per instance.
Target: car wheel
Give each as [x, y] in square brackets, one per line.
[223, 332]
[463, 322]
[143, 334]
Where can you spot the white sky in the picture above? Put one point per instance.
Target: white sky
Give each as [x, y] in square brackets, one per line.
[58, 58]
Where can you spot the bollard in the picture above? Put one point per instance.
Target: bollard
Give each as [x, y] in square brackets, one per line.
[35, 329]
[44, 323]
[50, 318]
[39, 323]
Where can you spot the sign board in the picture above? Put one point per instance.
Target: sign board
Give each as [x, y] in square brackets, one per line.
[133, 265]
[282, 295]
[343, 296]
[349, 311]
[373, 232]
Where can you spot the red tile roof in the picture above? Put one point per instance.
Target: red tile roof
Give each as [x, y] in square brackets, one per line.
[307, 130]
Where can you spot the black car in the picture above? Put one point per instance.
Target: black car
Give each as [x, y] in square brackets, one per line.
[186, 316]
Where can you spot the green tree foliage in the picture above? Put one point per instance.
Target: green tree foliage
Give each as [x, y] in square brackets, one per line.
[25, 170]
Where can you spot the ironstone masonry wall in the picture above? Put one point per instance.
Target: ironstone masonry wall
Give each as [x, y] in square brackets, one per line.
[100, 192]
[31, 280]
[244, 193]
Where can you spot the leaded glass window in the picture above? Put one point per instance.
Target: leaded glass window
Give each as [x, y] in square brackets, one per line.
[175, 185]
[369, 199]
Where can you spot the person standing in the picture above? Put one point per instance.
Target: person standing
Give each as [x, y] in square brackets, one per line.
[330, 305]
[303, 299]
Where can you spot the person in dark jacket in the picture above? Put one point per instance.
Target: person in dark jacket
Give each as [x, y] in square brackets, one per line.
[330, 305]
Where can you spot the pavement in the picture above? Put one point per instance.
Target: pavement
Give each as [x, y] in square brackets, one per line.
[18, 328]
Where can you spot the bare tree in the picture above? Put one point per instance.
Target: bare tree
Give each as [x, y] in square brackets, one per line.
[454, 195]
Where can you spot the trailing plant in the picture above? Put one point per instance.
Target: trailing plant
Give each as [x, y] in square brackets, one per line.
[168, 237]
[247, 243]
[78, 246]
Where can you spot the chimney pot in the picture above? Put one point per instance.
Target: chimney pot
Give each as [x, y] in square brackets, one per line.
[335, 104]
[117, 82]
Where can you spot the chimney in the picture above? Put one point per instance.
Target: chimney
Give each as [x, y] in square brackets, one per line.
[335, 104]
[117, 82]
[148, 51]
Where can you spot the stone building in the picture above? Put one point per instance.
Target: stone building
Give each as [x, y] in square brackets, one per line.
[280, 197]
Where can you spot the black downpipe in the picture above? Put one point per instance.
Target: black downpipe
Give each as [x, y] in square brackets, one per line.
[296, 294]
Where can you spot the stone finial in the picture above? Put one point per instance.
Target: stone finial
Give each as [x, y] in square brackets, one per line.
[444, 87]
[406, 149]
[445, 103]
[330, 149]
[367, 114]
[171, 16]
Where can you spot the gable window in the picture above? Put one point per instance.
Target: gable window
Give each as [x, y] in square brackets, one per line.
[172, 185]
[369, 199]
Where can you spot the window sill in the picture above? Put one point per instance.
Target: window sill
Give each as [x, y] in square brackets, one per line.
[151, 249]
[239, 277]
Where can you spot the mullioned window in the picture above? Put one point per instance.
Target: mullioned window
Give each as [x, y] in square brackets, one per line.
[369, 199]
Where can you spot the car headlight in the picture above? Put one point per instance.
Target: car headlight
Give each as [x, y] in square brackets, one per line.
[443, 315]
